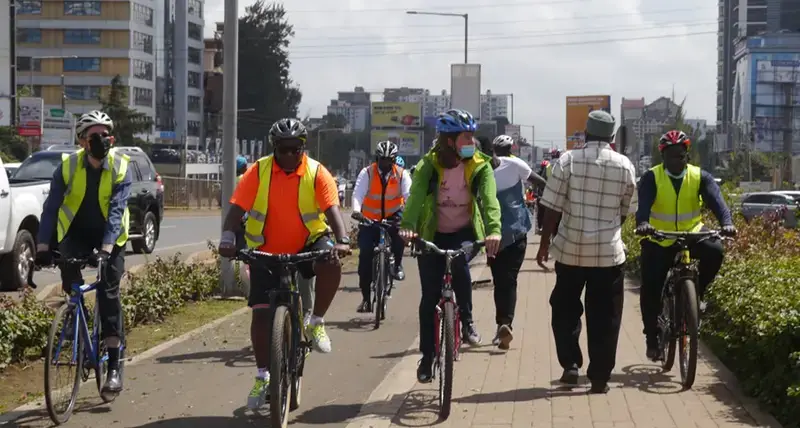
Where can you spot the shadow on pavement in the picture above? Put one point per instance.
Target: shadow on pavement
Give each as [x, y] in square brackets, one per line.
[37, 417]
[647, 378]
[353, 325]
[230, 357]
[419, 409]
[328, 414]
[517, 395]
[393, 355]
[207, 422]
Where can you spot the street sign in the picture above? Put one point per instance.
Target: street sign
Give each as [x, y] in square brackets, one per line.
[56, 112]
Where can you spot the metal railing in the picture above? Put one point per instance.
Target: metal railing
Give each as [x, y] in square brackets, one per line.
[191, 192]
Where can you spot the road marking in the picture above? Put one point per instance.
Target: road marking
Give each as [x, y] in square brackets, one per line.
[168, 227]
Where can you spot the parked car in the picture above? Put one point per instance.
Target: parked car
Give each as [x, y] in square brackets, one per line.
[11, 168]
[767, 204]
[20, 209]
[146, 203]
[795, 194]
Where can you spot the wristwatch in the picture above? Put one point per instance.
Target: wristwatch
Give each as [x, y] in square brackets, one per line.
[343, 241]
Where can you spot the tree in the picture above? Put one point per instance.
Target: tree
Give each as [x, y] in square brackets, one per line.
[264, 82]
[127, 121]
[13, 148]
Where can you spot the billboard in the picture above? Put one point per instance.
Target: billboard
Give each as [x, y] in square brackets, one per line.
[58, 128]
[6, 92]
[407, 141]
[578, 109]
[465, 88]
[30, 117]
[513, 131]
[396, 115]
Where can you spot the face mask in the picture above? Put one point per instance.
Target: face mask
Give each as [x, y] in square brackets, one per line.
[466, 151]
[683, 173]
[99, 146]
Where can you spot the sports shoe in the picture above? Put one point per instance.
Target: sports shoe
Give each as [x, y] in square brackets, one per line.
[319, 337]
[503, 337]
[258, 395]
[470, 334]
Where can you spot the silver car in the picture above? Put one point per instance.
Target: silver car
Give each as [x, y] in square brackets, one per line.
[770, 203]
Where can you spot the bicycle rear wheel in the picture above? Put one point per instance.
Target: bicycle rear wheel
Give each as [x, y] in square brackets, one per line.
[666, 324]
[688, 328]
[279, 382]
[446, 357]
[380, 289]
[64, 319]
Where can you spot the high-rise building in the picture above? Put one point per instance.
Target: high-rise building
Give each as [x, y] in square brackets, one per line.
[68, 52]
[493, 105]
[7, 105]
[357, 116]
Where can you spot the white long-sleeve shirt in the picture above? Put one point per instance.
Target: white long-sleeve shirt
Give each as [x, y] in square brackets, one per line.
[362, 186]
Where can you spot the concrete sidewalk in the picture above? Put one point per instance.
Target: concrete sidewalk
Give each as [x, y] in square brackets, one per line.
[519, 388]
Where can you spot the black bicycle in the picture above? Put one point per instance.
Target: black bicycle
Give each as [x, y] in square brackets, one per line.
[382, 265]
[679, 320]
[288, 344]
[447, 322]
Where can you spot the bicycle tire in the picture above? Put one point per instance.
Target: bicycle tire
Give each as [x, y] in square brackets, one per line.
[447, 359]
[667, 336]
[296, 389]
[380, 288]
[689, 319]
[65, 312]
[280, 346]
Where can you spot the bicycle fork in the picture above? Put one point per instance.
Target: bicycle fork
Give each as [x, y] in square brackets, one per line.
[448, 295]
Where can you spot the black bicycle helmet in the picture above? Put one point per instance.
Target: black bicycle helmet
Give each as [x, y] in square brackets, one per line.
[288, 129]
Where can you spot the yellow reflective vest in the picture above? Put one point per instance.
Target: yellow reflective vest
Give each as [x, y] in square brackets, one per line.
[73, 170]
[673, 212]
[307, 207]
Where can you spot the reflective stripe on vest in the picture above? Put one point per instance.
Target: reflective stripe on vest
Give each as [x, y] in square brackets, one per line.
[383, 201]
[73, 171]
[308, 209]
[676, 212]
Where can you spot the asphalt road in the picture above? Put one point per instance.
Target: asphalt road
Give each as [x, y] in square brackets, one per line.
[184, 235]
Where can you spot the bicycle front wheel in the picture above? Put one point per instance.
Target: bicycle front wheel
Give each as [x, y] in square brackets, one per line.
[380, 288]
[279, 373]
[64, 342]
[447, 353]
[667, 334]
[688, 327]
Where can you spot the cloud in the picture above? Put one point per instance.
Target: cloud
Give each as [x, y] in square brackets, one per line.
[540, 50]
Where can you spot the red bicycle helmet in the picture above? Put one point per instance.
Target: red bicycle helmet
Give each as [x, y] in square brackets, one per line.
[544, 163]
[672, 138]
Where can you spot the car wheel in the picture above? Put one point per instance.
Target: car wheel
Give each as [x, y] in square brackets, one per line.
[16, 266]
[147, 243]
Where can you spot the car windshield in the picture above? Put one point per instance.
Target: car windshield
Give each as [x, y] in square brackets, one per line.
[37, 168]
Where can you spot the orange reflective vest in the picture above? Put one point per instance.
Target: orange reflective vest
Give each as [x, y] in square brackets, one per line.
[382, 201]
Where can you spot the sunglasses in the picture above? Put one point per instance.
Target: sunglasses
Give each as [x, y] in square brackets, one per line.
[286, 150]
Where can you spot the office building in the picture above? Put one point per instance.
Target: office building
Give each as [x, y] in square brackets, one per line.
[7, 109]
[357, 116]
[494, 105]
[69, 51]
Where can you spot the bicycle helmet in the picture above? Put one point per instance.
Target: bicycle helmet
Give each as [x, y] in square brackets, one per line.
[288, 129]
[672, 138]
[400, 162]
[386, 149]
[555, 153]
[241, 163]
[93, 118]
[544, 164]
[456, 121]
[503, 141]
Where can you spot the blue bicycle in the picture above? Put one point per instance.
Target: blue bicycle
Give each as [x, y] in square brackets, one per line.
[69, 337]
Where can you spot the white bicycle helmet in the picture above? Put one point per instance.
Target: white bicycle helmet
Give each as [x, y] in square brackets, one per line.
[386, 149]
[503, 141]
[93, 118]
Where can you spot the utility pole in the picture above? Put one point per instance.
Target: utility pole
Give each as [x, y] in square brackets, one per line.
[230, 87]
[63, 94]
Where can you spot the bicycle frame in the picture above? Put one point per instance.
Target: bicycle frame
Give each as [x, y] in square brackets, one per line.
[448, 295]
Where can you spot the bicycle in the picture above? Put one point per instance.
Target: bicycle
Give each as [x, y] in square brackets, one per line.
[382, 262]
[447, 321]
[679, 321]
[288, 344]
[70, 320]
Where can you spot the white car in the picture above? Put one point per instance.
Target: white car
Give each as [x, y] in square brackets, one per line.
[11, 168]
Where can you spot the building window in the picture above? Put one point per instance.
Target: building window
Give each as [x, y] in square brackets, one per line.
[143, 14]
[82, 93]
[193, 128]
[194, 79]
[194, 103]
[82, 8]
[81, 64]
[143, 97]
[142, 42]
[195, 31]
[29, 35]
[196, 8]
[756, 29]
[194, 55]
[24, 63]
[757, 15]
[82, 37]
[143, 70]
[29, 7]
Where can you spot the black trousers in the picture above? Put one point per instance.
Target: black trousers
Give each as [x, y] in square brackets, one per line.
[505, 270]
[107, 291]
[605, 293]
[656, 262]
[368, 237]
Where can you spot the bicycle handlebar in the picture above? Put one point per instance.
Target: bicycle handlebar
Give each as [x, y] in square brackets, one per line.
[369, 222]
[253, 256]
[431, 247]
[696, 237]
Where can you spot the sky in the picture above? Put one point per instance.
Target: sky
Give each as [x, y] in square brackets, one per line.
[540, 50]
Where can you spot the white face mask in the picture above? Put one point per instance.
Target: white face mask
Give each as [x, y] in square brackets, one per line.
[681, 175]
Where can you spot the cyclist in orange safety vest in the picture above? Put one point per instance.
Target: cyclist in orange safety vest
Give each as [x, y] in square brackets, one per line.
[380, 193]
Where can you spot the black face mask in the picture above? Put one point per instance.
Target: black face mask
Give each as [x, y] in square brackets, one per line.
[99, 146]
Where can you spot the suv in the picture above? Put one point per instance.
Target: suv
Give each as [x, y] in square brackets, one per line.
[767, 203]
[146, 203]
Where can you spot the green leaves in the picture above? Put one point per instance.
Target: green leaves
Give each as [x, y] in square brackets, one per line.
[127, 121]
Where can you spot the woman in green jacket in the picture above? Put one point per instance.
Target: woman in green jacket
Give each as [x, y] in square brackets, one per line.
[453, 200]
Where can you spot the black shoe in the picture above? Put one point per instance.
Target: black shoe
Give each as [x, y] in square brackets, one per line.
[113, 383]
[570, 376]
[425, 369]
[399, 274]
[653, 350]
[364, 307]
[599, 388]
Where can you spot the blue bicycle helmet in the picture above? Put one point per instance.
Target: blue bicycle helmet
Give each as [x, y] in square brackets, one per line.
[241, 162]
[400, 162]
[455, 121]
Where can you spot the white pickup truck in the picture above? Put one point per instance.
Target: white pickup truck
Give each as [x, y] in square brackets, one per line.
[21, 204]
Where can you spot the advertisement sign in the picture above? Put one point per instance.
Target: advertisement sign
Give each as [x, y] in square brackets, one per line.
[578, 109]
[30, 117]
[407, 141]
[6, 92]
[58, 128]
[465, 88]
[396, 115]
[513, 131]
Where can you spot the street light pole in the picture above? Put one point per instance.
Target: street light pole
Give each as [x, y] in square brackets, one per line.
[230, 87]
[462, 15]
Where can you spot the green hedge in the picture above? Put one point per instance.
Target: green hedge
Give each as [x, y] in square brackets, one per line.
[752, 322]
[158, 290]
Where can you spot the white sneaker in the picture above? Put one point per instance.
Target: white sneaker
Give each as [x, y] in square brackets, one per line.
[319, 337]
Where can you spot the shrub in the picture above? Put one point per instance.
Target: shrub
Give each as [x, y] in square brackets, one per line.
[23, 328]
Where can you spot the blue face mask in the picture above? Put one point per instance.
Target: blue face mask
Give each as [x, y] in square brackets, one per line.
[466, 151]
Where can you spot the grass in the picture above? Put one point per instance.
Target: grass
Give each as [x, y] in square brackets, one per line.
[20, 384]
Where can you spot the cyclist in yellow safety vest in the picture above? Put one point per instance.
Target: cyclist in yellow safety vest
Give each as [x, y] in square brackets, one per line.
[87, 208]
[671, 195]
